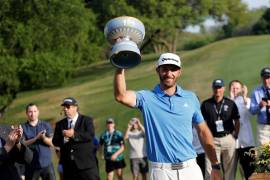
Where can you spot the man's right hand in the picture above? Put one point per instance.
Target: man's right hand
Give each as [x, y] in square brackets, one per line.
[216, 174]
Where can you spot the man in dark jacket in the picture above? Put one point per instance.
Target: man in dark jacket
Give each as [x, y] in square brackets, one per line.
[12, 151]
[74, 136]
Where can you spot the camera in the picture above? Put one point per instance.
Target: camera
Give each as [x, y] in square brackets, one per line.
[265, 99]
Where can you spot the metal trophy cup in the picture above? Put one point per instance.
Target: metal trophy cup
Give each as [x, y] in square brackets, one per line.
[124, 34]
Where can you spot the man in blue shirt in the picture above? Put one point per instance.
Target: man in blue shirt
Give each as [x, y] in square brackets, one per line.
[38, 136]
[260, 105]
[169, 112]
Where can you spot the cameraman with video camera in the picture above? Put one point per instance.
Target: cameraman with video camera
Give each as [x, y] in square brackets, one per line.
[260, 105]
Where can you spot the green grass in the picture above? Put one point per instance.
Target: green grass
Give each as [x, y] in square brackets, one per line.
[238, 58]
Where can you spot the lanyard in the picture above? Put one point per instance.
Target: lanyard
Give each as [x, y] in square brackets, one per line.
[110, 137]
[218, 112]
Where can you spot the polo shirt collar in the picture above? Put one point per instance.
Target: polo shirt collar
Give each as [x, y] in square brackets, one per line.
[160, 92]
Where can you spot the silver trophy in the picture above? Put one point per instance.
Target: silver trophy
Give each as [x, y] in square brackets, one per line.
[124, 34]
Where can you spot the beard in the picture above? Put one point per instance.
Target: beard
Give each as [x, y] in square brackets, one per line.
[167, 82]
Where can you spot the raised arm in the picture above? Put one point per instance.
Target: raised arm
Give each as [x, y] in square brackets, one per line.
[121, 93]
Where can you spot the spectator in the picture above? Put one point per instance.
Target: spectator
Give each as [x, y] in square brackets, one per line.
[38, 136]
[74, 136]
[238, 93]
[260, 105]
[222, 117]
[112, 142]
[169, 112]
[135, 135]
[11, 151]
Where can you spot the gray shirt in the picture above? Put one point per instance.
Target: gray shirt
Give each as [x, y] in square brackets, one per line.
[137, 147]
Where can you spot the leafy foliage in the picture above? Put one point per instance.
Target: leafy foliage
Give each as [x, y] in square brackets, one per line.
[164, 19]
[48, 40]
[263, 25]
[261, 156]
[9, 82]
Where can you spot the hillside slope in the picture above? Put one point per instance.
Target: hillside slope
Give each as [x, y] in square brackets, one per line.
[237, 58]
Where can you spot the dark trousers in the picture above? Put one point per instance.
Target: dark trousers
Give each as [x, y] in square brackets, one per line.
[71, 172]
[201, 162]
[245, 161]
[46, 173]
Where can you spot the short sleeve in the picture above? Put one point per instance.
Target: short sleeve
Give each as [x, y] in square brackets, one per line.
[49, 132]
[139, 99]
[120, 137]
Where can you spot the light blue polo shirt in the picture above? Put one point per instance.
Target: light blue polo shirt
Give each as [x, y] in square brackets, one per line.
[168, 123]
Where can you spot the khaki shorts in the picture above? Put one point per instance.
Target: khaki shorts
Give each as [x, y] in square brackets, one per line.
[139, 165]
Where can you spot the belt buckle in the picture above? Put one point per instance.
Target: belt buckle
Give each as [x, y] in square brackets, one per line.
[177, 166]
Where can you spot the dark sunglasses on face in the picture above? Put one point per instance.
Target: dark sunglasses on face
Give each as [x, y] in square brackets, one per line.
[66, 106]
[170, 68]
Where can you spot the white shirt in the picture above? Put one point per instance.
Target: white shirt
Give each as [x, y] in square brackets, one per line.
[74, 120]
[245, 136]
[137, 147]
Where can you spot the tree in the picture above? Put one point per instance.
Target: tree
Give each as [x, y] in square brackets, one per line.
[47, 40]
[167, 17]
[9, 81]
[263, 25]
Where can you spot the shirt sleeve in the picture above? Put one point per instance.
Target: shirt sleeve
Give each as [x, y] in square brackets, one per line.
[49, 132]
[139, 99]
[254, 102]
[120, 137]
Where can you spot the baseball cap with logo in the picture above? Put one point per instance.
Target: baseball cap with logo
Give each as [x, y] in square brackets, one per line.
[69, 101]
[169, 58]
[217, 83]
[265, 72]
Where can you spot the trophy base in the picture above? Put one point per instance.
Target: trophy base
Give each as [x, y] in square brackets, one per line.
[125, 59]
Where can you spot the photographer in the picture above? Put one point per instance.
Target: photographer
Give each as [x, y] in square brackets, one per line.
[260, 105]
[12, 151]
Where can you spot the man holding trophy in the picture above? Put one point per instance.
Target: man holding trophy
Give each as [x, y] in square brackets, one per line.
[168, 110]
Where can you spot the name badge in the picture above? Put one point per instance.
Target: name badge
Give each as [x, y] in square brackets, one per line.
[219, 126]
[109, 149]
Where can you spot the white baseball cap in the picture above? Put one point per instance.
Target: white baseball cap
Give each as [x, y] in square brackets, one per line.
[169, 58]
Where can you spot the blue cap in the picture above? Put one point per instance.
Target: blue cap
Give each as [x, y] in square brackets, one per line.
[218, 83]
[265, 72]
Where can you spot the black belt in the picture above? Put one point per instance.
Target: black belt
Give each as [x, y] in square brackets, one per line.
[223, 134]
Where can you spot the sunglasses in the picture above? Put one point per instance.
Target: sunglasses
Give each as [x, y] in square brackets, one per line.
[67, 106]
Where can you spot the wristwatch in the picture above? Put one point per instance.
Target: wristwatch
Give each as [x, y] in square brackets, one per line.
[216, 166]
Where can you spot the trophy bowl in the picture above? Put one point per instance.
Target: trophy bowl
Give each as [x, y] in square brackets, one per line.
[124, 34]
